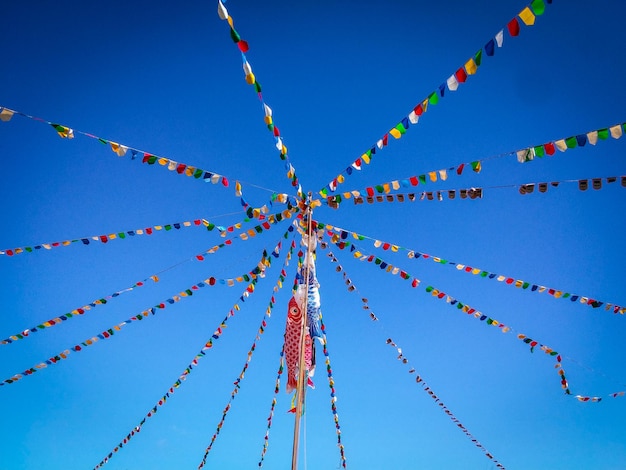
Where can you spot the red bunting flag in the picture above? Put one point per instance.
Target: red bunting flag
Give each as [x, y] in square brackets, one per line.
[513, 27]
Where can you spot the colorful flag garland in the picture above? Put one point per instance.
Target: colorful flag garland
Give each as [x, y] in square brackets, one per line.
[477, 315]
[75, 312]
[340, 235]
[268, 113]
[149, 158]
[112, 236]
[106, 334]
[580, 140]
[583, 184]
[121, 149]
[418, 379]
[266, 439]
[527, 15]
[333, 396]
[471, 193]
[240, 377]
[266, 261]
[404, 360]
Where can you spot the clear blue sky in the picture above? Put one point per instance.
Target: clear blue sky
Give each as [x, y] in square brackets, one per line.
[167, 79]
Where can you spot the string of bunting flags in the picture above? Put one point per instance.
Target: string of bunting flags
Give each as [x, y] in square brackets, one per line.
[580, 140]
[210, 226]
[121, 150]
[404, 360]
[257, 272]
[270, 417]
[418, 379]
[527, 16]
[333, 395]
[268, 113]
[339, 236]
[267, 315]
[439, 294]
[266, 263]
[523, 155]
[181, 168]
[112, 236]
[75, 312]
[583, 184]
[348, 282]
[471, 193]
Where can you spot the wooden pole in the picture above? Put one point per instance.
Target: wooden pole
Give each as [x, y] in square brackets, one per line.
[301, 386]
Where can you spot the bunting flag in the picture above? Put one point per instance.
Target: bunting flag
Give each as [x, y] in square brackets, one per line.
[266, 439]
[434, 292]
[522, 155]
[121, 150]
[111, 236]
[340, 235]
[404, 360]
[592, 137]
[266, 262]
[452, 83]
[418, 379]
[333, 396]
[106, 334]
[267, 111]
[240, 377]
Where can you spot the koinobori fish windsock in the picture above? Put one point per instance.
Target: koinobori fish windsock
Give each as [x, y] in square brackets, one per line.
[293, 335]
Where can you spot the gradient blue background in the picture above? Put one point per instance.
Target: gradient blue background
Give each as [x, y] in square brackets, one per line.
[166, 78]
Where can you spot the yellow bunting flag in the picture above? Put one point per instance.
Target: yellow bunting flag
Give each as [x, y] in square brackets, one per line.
[6, 115]
[527, 17]
[120, 150]
[470, 67]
